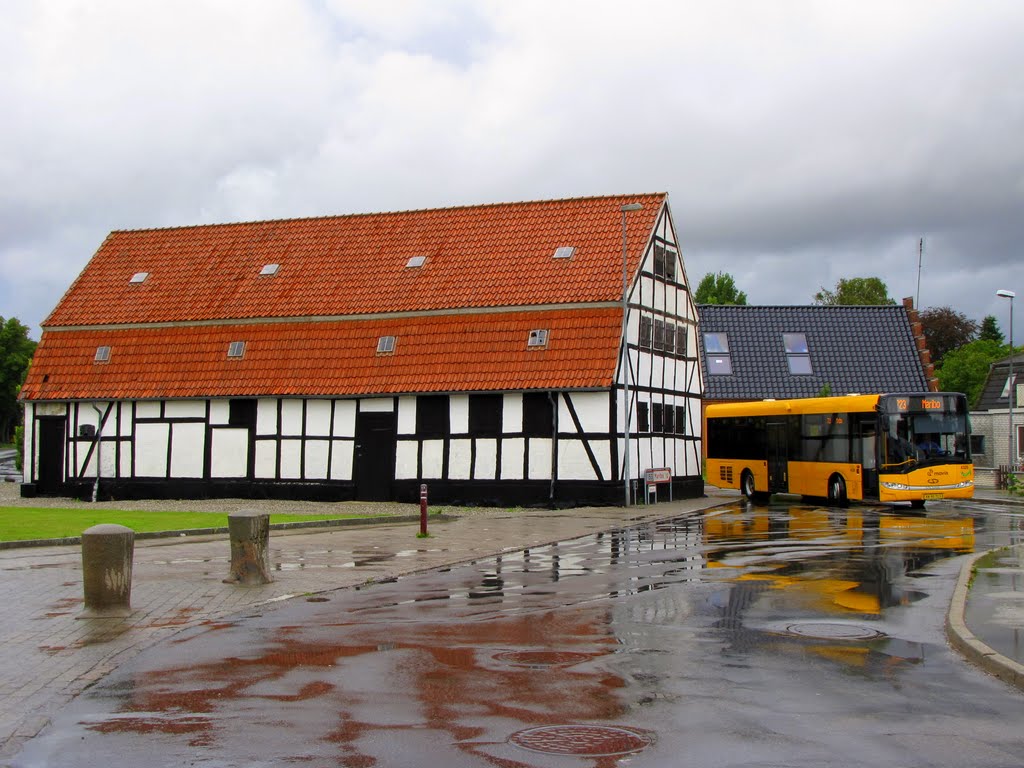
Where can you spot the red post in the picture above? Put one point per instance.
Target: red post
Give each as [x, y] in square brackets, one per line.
[423, 509]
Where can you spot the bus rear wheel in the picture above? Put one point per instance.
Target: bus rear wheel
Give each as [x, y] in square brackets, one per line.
[749, 489]
[837, 491]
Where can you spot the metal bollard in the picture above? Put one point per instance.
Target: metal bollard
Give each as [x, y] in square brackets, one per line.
[107, 552]
[250, 548]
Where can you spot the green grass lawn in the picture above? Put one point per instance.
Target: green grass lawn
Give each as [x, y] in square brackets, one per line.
[23, 523]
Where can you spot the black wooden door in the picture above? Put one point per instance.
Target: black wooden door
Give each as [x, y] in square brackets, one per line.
[375, 456]
[50, 477]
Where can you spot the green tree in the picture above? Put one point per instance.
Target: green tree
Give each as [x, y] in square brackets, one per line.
[719, 288]
[16, 350]
[861, 291]
[990, 330]
[965, 369]
[945, 329]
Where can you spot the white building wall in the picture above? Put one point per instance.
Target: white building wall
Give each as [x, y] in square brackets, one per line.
[151, 442]
[318, 418]
[460, 454]
[512, 457]
[187, 449]
[229, 451]
[486, 465]
[512, 414]
[539, 458]
[406, 459]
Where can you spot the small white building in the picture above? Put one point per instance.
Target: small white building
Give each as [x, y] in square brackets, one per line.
[475, 349]
[995, 435]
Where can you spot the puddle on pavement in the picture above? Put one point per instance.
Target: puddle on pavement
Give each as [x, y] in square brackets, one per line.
[599, 630]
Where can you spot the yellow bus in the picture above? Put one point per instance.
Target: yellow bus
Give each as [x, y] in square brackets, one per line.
[888, 448]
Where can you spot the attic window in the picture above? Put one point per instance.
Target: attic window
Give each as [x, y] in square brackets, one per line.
[139, 277]
[415, 262]
[1006, 386]
[385, 345]
[236, 349]
[102, 354]
[716, 353]
[537, 338]
[797, 353]
[664, 263]
[270, 269]
[565, 252]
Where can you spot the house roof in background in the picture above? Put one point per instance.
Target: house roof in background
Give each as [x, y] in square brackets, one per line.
[992, 396]
[438, 353]
[865, 349]
[335, 266]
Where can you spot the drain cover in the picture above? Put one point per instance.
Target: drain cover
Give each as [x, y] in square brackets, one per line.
[317, 599]
[541, 658]
[825, 631]
[587, 740]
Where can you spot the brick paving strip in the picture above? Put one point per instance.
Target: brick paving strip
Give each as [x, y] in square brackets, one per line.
[49, 656]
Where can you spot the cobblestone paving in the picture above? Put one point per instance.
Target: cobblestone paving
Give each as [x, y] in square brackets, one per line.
[50, 656]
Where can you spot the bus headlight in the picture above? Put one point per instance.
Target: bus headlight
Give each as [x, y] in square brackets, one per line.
[896, 486]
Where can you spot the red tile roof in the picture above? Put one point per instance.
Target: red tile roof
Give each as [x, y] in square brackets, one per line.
[439, 353]
[477, 256]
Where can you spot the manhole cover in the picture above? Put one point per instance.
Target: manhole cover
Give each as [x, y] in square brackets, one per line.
[588, 740]
[834, 631]
[541, 658]
[317, 599]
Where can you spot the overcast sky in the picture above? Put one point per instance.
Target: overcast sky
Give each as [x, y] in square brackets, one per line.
[800, 141]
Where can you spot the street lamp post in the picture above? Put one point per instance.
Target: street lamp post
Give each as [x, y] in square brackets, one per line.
[1004, 294]
[625, 349]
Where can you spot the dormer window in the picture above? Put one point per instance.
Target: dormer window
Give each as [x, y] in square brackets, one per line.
[270, 269]
[565, 252]
[537, 338]
[139, 277]
[236, 349]
[385, 345]
[102, 354]
[415, 262]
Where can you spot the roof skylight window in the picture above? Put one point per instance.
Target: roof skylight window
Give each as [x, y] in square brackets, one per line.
[385, 345]
[139, 277]
[415, 262]
[797, 353]
[102, 354]
[236, 349]
[537, 338]
[565, 252]
[716, 353]
[270, 269]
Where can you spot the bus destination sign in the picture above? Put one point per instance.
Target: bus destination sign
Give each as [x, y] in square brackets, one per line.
[918, 403]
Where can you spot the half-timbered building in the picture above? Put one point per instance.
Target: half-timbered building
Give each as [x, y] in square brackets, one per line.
[478, 350]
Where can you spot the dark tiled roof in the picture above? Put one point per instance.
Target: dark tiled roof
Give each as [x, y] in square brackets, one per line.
[992, 393]
[852, 349]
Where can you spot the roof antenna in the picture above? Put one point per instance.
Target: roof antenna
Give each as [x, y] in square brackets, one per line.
[920, 255]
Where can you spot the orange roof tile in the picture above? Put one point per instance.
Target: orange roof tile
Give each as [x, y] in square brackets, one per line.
[438, 353]
[477, 256]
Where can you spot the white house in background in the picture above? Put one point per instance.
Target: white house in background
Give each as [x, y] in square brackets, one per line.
[475, 349]
[991, 436]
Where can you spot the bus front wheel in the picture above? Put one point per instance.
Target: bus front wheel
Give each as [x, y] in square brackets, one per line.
[837, 491]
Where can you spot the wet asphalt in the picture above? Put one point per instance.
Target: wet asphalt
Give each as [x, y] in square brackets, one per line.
[786, 635]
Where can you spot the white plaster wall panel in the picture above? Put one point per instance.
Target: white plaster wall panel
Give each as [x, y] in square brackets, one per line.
[486, 459]
[684, 456]
[316, 459]
[151, 449]
[573, 463]
[377, 405]
[660, 298]
[220, 411]
[539, 458]
[126, 459]
[460, 454]
[406, 460]
[591, 410]
[433, 459]
[603, 456]
[657, 376]
[291, 417]
[344, 418]
[147, 409]
[28, 449]
[266, 416]
[291, 459]
[229, 452]
[187, 449]
[185, 409]
[407, 415]
[512, 458]
[459, 414]
[318, 419]
[341, 459]
[266, 459]
[512, 414]
[108, 460]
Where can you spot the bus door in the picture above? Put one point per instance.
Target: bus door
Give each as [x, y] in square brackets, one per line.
[778, 457]
[865, 453]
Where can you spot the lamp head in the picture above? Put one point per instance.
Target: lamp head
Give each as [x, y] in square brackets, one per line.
[1004, 294]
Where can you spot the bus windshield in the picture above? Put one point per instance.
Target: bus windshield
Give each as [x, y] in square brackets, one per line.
[924, 430]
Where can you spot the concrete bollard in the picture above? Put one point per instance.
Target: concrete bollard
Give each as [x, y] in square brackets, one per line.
[107, 552]
[250, 548]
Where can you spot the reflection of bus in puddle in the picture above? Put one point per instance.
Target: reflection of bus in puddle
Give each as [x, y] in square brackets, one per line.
[845, 561]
